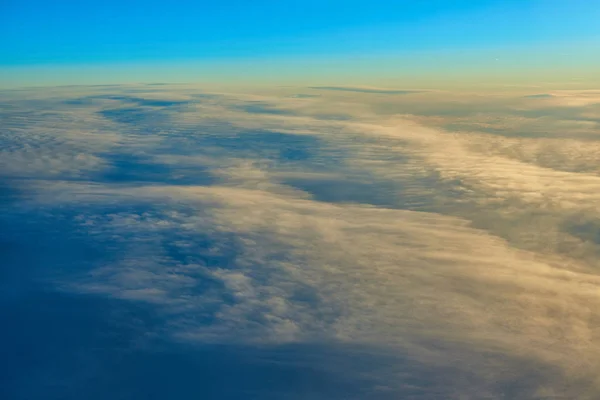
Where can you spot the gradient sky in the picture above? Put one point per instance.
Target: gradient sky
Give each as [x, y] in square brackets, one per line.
[121, 40]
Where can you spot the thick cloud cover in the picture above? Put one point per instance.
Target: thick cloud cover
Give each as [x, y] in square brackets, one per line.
[299, 243]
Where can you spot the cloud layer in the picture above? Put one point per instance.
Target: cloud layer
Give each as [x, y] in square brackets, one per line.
[447, 241]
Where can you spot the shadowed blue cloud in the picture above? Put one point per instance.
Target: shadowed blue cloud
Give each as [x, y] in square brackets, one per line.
[137, 169]
[365, 90]
[286, 147]
[540, 96]
[264, 109]
[128, 99]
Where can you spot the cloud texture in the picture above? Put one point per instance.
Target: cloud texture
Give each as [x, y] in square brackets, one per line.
[437, 245]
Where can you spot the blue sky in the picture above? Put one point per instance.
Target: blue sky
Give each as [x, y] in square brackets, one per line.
[68, 33]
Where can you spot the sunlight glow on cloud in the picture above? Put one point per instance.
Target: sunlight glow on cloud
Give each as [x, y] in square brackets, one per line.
[394, 230]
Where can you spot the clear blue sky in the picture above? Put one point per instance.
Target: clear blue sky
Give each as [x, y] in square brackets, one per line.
[70, 33]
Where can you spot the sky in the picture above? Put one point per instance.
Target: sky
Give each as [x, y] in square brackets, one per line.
[310, 41]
